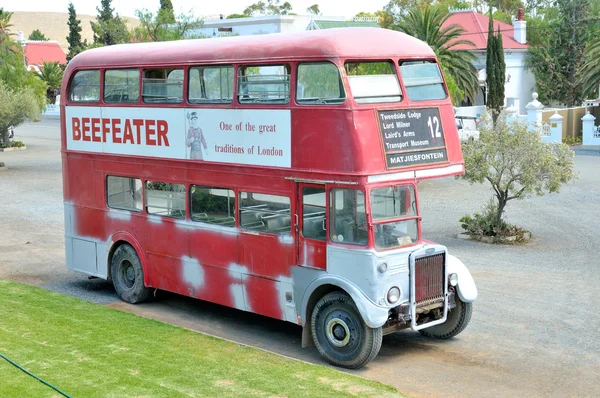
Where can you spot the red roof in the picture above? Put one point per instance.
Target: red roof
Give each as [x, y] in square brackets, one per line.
[37, 52]
[476, 28]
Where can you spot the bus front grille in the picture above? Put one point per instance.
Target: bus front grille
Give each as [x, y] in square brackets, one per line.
[429, 278]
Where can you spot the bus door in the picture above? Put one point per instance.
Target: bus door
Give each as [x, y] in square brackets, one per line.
[312, 225]
[268, 250]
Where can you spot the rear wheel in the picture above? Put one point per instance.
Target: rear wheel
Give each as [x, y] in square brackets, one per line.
[341, 335]
[128, 275]
[457, 320]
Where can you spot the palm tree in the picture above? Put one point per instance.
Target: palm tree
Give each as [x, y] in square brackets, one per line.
[52, 74]
[425, 23]
[590, 72]
[5, 24]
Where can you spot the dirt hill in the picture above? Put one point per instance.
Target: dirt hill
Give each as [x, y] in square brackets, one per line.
[54, 25]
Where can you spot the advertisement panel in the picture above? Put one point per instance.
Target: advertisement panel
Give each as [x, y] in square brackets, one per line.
[253, 137]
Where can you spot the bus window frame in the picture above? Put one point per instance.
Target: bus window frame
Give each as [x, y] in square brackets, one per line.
[187, 77]
[396, 69]
[330, 218]
[430, 60]
[342, 84]
[100, 100]
[369, 188]
[290, 64]
[104, 102]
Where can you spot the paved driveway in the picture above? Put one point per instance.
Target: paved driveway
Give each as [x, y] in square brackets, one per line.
[535, 330]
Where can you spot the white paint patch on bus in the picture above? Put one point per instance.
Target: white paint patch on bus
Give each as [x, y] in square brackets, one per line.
[193, 273]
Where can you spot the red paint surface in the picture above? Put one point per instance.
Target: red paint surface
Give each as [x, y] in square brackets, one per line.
[341, 142]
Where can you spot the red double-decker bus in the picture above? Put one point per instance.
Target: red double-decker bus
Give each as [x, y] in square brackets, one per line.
[275, 174]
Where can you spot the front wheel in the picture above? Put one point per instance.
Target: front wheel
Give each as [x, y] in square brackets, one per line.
[128, 275]
[341, 335]
[457, 320]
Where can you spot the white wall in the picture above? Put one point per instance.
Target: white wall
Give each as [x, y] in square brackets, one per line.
[254, 26]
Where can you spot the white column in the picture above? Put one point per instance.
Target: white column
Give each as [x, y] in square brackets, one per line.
[555, 128]
[590, 133]
[534, 113]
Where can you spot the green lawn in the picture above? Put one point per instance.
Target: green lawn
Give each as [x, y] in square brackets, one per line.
[88, 350]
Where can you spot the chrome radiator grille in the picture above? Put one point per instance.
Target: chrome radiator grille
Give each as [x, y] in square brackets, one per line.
[429, 278]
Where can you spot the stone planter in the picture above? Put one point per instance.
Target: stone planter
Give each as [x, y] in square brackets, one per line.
[21, 148]
[489, 239]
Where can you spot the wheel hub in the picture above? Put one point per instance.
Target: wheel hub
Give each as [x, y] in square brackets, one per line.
[128, 273]
[338, 332]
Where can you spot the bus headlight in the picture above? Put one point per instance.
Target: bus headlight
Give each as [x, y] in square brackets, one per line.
[382, 267]
[453, 279]
[393, 295]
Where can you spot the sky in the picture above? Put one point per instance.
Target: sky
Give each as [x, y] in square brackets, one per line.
[345, 8]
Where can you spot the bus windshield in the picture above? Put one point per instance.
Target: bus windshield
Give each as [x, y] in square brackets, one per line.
[388, 205]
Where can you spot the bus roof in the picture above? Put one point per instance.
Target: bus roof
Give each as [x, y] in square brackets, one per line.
[359, 43]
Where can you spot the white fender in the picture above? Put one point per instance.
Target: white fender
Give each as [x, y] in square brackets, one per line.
[467, 291]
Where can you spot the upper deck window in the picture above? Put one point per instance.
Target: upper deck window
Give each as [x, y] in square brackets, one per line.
[122, 85]
[423, 80]
[264, 84]
[319, 83]
[211, 84]
[373, 82]
[85, 86]
[162, 86]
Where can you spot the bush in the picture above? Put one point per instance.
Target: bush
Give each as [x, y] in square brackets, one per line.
[15, 108]
[1, 164]
[12, 144]
[483, 226]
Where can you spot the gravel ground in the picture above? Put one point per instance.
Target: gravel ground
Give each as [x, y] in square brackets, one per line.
[534, 330]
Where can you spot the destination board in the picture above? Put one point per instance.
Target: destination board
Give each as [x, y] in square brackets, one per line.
[412, 137]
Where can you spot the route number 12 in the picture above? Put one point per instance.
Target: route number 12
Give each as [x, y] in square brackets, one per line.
[431, 122]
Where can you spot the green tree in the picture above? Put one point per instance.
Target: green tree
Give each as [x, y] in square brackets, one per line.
[157, 27]
[314, 10]
[234, 16]
[516, 162]
[15, 107]
[52, 74]
[109, 29]
[426, 24]
[166, 7]
[74, 39]
[495, 70]
[37, 35]
[557, 60]
[271, 7]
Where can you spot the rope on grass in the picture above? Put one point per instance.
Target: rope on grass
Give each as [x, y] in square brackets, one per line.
[34, 376]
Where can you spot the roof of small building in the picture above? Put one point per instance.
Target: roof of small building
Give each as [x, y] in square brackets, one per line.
[345, 24]
[38, 52]
[476, 28]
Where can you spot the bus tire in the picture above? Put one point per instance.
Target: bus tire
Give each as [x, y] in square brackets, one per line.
[457, 320]
[340, 333]
[128, 275]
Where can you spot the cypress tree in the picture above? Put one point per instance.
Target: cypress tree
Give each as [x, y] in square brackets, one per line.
[495, 69]
[74, 38]
[166, 9]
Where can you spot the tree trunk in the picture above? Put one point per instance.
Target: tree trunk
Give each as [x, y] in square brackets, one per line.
[501, 205]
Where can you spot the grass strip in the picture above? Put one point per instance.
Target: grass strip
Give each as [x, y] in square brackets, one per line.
[89, 350]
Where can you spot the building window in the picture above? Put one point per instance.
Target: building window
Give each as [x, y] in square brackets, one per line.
[211, 85]
[264, 84]
[212, 205]
[165, 199]
[162, 86]
[85, 86]
[124, 193]
[319, 83]
[265, 213]
[122, 85]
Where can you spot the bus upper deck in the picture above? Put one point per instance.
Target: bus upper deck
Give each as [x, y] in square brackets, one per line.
[356, 102]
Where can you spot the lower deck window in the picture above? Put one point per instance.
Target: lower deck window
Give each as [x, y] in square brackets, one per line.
[165, 199]
[212, 205]
[265, 213]
[124, 193]
[348, 222]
